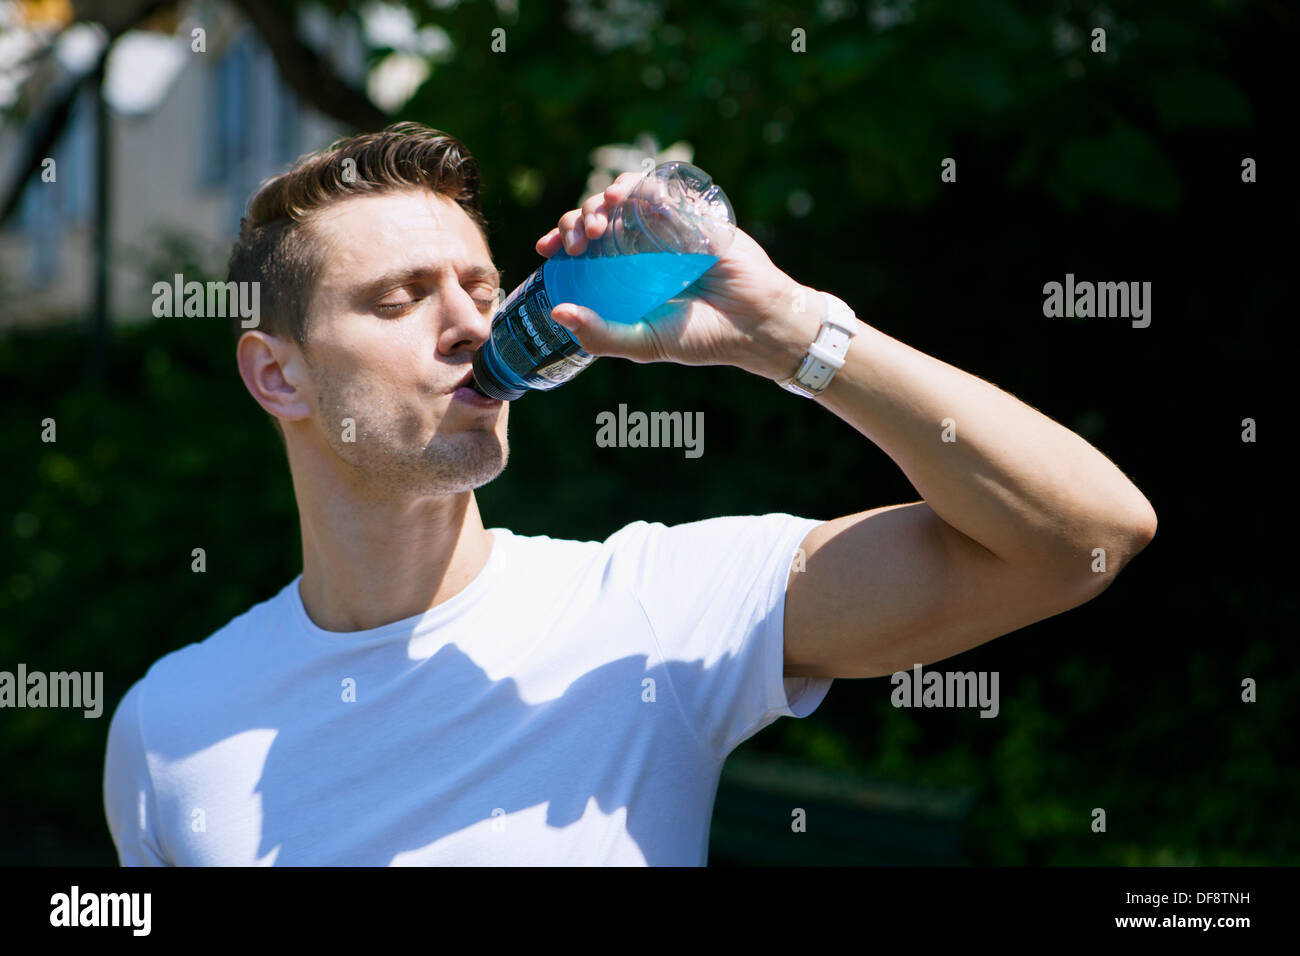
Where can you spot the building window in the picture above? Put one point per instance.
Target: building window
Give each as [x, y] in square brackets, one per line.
[226, 105]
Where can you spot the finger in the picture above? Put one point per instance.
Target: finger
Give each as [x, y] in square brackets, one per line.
[595, 215]
[588, 221]
[575, 238]
[596, 207]
[624, 180]
[620, 189]
[549, 244]
[600, 337]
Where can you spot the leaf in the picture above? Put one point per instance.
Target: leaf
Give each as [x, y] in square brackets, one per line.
[1191, 98]
[1124, 164]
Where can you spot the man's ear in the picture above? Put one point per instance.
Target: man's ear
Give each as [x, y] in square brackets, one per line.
[275, 375]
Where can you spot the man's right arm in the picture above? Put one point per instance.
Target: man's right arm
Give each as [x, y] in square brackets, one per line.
[128, 790]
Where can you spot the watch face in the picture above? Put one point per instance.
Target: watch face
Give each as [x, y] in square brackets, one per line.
[842, 311]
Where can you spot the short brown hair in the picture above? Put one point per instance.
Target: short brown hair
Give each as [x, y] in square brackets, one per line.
[275, 247]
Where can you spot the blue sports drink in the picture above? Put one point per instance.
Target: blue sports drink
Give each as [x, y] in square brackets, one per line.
[667, 233]
[623, 288]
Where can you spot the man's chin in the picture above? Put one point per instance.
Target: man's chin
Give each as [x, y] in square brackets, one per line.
[478, 477]
[470, 465]
[450, 463]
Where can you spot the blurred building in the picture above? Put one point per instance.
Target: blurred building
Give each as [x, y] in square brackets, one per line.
[191, 135]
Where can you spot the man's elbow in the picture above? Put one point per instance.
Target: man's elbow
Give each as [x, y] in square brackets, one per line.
[1139, 529]
[1145, 528]
[1114, 545]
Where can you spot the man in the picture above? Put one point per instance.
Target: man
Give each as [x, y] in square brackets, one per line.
[429, 691]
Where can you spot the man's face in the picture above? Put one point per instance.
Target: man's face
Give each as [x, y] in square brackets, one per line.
[404, 296]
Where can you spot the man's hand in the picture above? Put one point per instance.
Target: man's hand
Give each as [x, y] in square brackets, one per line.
[743, 311]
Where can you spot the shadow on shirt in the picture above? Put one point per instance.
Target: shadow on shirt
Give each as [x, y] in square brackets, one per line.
[436, 747]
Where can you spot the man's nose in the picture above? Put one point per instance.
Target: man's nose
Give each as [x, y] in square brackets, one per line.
[463, 321]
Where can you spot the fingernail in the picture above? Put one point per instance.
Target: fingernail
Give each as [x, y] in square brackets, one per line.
[591, 222]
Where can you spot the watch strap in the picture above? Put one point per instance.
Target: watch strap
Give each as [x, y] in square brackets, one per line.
[826, 354]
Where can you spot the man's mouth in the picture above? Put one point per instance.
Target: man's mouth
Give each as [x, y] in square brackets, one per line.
[467, 381]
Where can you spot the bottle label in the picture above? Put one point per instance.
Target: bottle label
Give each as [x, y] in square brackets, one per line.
[529, 342]
[561, 370]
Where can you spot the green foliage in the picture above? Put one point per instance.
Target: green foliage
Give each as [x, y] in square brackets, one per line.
[100, 526]
[864, 115]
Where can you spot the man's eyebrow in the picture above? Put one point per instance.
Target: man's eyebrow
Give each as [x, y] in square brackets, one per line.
[492, 274]
[400, 277]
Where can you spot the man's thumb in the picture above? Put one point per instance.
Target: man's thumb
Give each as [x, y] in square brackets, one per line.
[598, 336]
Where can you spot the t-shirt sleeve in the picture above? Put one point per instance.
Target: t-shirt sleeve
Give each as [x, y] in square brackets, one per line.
[714, 594]
[128, 791]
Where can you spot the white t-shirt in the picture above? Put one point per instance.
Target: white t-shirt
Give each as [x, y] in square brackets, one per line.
[573, 705]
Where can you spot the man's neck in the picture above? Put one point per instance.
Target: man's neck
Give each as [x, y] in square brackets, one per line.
[368, 563]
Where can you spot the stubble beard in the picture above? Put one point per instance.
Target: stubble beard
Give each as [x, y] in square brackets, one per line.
[389, 459]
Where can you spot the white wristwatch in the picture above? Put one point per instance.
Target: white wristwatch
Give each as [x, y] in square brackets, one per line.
[825, 356]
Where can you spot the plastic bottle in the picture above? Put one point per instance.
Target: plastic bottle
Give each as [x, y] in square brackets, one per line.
[669, 230]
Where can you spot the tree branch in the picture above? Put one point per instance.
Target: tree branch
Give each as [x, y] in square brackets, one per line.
[306, 72]
[49, 122]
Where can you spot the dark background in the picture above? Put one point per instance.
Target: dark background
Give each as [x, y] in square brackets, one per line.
[1117, 167]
